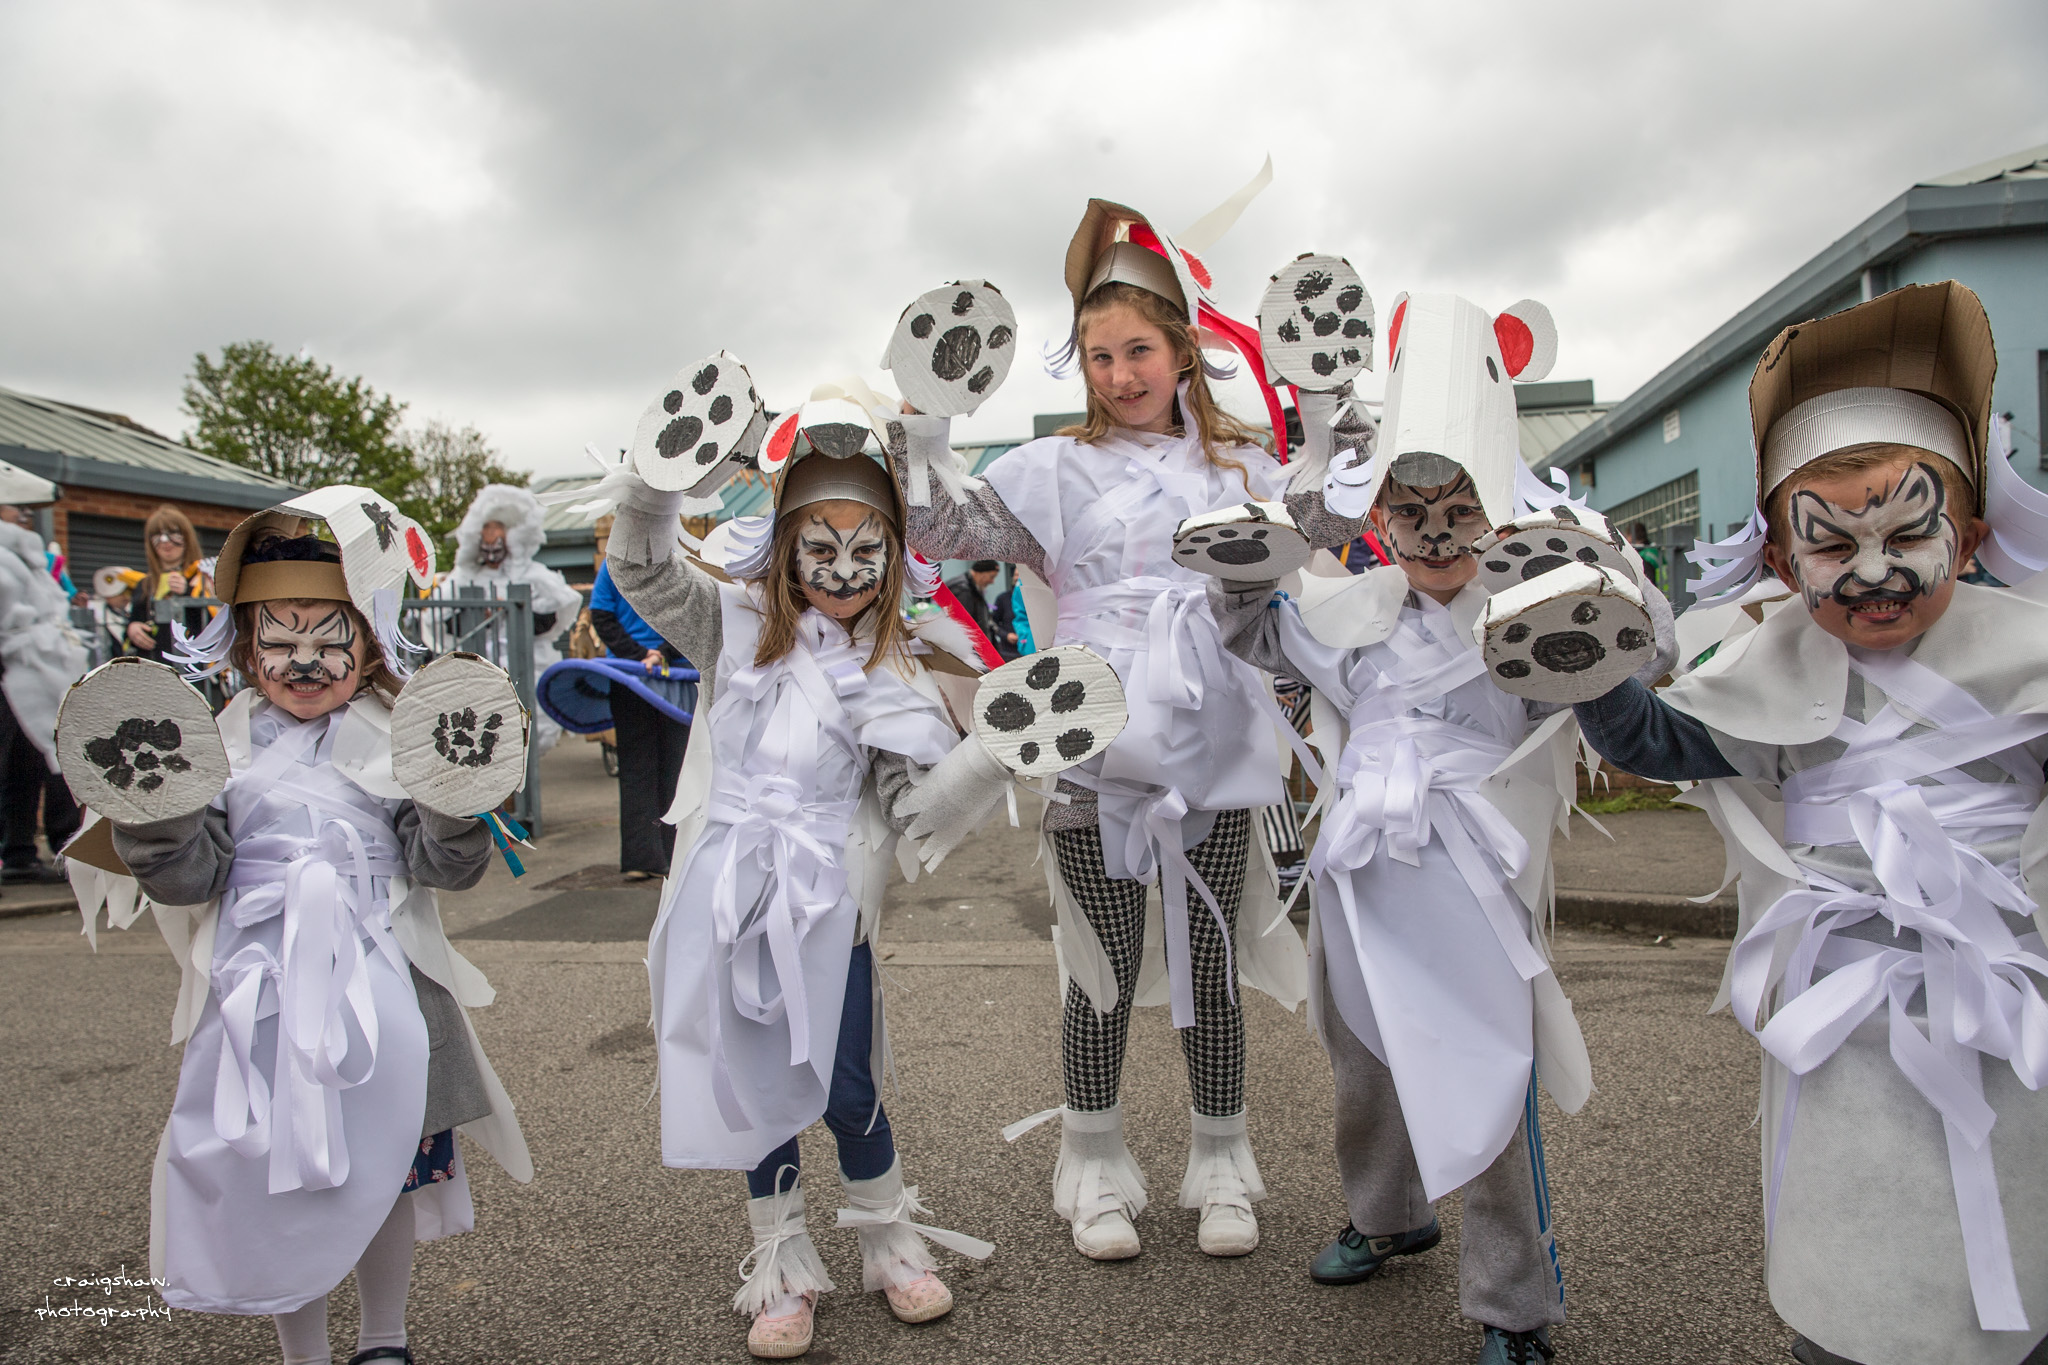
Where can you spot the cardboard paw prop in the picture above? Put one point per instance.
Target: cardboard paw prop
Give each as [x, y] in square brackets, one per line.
[1046, 712]
[704, 428]
[1569, 635]
[139, 744]
[458, 736]
[1529, 547]
[1253, 542]
[953, 347]
[1315, 324]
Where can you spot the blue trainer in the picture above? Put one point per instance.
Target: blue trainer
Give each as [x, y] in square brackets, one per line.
[1354, 1256]
[1516, 1348]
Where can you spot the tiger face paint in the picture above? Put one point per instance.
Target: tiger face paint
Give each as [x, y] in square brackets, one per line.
[1874, 553]
[842, 551]
[309, 655]
[1431, 532]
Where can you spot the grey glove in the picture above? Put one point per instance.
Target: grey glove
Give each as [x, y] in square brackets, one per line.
[922, 447]
[648, 526]
[953, 798]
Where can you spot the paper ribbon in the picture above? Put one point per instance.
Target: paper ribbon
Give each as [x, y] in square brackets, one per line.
[899, 1211]
[2015, 511]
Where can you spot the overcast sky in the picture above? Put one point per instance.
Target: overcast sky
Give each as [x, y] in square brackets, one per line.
[525, 217]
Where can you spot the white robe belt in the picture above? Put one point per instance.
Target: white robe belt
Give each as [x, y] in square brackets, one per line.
[1428, 785]
[317, 984]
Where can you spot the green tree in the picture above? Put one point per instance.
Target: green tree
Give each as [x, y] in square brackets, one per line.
[450, 467]
[293, 417]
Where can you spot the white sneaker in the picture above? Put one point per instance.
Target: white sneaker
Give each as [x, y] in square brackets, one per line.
[1108, 1236]
[1228, 1229]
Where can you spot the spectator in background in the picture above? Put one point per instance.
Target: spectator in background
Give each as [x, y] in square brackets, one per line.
[972, 590]
[113, 594]
[170, 548]
[1651, 555]
[650, 744]
[1020, 622]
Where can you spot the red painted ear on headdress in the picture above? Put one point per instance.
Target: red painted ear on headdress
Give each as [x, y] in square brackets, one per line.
[775, 450]
[1144, 236]
[1394, 328]
[1528, 340]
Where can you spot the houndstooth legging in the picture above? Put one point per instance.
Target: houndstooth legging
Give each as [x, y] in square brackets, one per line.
[1092, 1043]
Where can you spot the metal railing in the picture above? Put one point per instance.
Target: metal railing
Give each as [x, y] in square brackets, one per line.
[497, 628]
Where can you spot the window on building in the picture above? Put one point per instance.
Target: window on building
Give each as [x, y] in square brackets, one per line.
[1670, 517]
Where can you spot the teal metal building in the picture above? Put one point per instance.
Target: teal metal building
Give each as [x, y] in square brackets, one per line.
[1676, 455]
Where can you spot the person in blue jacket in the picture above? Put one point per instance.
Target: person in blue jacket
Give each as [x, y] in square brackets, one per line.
[650, 744]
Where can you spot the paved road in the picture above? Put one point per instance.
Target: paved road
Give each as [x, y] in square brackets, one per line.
[609, 1257]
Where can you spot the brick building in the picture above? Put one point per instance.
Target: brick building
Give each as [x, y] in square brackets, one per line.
[112, 473]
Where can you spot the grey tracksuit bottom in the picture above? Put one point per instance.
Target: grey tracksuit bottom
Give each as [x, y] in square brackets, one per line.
[1507, 1269]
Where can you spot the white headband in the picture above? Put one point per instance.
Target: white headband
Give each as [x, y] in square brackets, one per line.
[1854, 417]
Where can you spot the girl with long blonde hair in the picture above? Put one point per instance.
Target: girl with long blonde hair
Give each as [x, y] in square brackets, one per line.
[1091, 512]
[818, 715]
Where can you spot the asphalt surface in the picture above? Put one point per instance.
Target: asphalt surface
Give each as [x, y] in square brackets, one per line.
[609, 1257]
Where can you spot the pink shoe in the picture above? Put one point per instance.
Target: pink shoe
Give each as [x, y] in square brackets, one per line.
[921, 1300]
[782, 1336]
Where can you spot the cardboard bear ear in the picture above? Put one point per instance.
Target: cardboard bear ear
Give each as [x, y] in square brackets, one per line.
[1397, 317]
[781, 441]
[1528, 340]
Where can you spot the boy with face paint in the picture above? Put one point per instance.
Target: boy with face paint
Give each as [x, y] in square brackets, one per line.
[816, 718]
[1432, 989]
[313, 1132]
[1873, 754]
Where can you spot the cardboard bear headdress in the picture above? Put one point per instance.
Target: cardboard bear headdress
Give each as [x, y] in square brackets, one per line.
[1913, 367]
[1450, 401]
[819, 452]
[1115, 244]
[380, 550]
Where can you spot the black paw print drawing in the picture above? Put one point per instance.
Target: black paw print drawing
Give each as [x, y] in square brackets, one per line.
[153, 744]
[387, 529]
[464, 742]
[1012, 712]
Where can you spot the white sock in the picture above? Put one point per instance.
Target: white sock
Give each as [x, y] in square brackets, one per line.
[302, 1334]
[384, 1277]
[784, 1306]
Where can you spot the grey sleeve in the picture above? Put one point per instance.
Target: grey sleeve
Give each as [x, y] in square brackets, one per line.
[1322, 443]
[893, 775]
[983, 527]
[1250, 627]
[681, 601]
[448, 853]
[185, 861]
[1638, 732]
[1322, 527]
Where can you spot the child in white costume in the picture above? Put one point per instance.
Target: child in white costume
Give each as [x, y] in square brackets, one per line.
[327, 1052]
[1434, 995]
[495, 545]
[1872, 752]
[1091, 512]
[820, 712]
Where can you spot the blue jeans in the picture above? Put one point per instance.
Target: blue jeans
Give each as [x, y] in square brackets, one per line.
[864, 1151]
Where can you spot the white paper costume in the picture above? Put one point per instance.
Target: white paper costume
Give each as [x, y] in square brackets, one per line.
[1093, 525]
[555, 603]
[316, 975]
[42, 653]
[1432, 884]
[1887, 827]
[782, 843]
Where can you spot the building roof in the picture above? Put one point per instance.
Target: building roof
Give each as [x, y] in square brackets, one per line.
[2006, 195]
[80, 447]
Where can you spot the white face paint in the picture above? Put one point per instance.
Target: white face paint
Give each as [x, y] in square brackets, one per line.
[1899, 546]
[841, 555]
